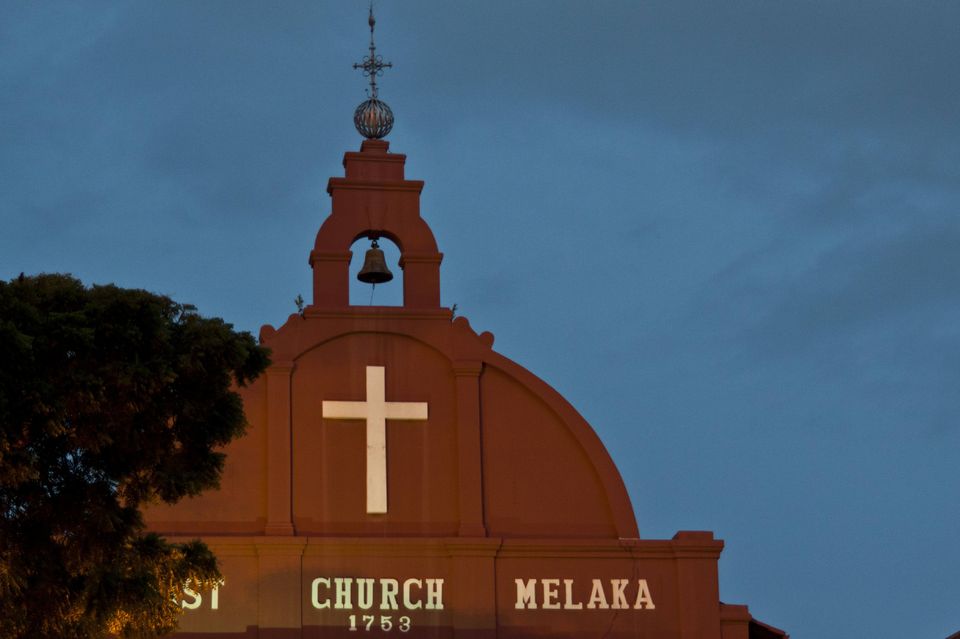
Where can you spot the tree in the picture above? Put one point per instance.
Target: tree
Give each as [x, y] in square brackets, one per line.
[109, 399]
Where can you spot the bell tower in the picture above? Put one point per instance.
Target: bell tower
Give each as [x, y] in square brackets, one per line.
[375, 200]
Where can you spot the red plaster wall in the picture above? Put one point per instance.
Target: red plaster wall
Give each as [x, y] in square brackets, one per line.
[537, 479]
[504, 480]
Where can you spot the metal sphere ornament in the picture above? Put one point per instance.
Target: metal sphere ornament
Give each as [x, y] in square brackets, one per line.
[373, 119]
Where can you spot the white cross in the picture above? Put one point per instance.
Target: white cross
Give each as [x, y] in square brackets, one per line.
[376, 411]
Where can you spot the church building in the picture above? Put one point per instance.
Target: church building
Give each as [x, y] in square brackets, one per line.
[401, 477]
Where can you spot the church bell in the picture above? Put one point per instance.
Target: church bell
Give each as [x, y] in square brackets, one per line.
[374, 269]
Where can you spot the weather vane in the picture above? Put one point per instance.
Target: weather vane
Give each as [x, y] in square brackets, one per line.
[373, 118]
[373, 64]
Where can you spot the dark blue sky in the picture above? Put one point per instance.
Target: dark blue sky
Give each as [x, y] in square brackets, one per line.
[728, 232]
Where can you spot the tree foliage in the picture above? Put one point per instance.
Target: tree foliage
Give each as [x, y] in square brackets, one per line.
[109, 399]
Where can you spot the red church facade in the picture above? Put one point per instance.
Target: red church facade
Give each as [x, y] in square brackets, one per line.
[399, 476]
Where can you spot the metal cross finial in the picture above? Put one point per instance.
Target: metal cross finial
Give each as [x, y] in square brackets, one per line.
[373, 64]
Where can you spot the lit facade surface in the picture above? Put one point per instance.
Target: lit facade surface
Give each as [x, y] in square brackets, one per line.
[400, 477]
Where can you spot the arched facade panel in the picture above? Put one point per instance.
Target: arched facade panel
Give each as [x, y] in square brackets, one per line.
[329, 462]
[537, 478]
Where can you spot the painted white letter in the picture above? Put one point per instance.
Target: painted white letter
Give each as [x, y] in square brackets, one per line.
[643, 596]
[617, 587]
[597, 598]
[215, 598]
[315, 592]
[343, 592]
[434, 594]
[526, 594]
[191, 605]
[365, 593]
[568, 600]
[550, 594]
[388, 594]
[408, 603]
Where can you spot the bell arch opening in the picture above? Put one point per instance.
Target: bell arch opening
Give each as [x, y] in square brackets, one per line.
[383, 294]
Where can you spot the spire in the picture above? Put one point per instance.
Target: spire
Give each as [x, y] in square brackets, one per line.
[373, 118]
